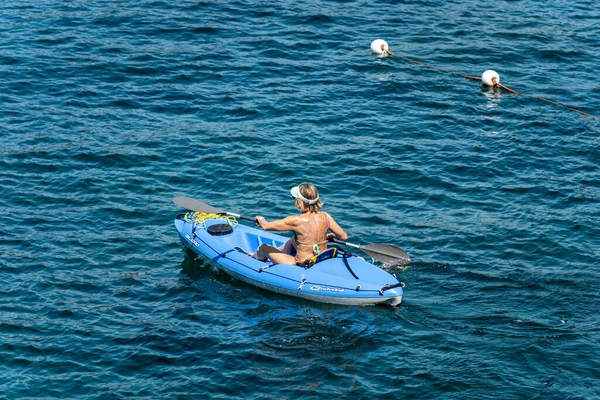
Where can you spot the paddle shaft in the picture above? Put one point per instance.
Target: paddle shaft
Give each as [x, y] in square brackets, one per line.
[338, 241]
[386, 253]
[241, 216]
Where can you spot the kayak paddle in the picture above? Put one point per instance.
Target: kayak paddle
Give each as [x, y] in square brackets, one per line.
[386, 253]
[197, 205]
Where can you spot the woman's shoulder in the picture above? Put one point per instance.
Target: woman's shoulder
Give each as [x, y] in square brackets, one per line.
[296, 219]
[305, 218]
[319, 214]
[325, 214]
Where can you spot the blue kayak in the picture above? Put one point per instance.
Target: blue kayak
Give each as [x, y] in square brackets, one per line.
[336, 277]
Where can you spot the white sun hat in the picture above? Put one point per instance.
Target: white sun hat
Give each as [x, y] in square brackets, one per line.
[296, 194]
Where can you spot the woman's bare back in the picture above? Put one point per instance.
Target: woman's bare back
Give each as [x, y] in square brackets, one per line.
[310, 229]
[311, 234]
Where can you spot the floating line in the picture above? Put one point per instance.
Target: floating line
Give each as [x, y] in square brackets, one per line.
[474, 78]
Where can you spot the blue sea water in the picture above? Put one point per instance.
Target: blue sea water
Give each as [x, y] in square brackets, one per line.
[109, 109]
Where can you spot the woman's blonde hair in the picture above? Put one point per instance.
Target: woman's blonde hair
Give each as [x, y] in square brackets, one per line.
[310, 192]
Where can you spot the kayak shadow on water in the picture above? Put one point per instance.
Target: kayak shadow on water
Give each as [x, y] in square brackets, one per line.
[197, 268]
[211, 283]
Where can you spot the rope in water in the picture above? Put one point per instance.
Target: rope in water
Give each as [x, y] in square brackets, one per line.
[499, 85]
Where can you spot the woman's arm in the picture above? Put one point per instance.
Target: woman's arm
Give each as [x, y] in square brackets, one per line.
[336, 229]
[286, 224]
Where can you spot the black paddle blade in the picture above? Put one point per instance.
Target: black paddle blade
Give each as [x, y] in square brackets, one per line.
[197, 205]
[387, 253]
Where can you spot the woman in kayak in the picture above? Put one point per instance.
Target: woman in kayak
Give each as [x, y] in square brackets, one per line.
[311, 229]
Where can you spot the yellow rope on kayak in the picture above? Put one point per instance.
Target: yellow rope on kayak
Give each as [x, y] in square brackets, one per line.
[200, 218]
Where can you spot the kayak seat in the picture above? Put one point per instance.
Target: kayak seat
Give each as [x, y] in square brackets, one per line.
[324, 255]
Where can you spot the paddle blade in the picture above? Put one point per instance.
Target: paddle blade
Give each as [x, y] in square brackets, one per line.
[197, 205]
[387, 253]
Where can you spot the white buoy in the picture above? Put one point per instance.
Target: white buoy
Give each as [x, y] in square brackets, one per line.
[490, 78]
[380, 47]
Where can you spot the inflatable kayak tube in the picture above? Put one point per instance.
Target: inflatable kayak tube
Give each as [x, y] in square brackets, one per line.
[343, 279]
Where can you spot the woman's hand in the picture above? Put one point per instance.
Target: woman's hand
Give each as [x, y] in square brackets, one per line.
[260, 220]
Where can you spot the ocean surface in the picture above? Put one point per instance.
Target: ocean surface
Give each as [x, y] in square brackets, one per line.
[109, 109]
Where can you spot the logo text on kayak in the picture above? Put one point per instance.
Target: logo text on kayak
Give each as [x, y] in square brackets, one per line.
[326, 289]
[188, 237]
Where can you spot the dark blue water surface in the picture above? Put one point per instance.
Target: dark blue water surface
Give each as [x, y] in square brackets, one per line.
[109, 109]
